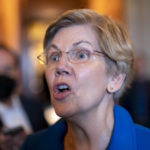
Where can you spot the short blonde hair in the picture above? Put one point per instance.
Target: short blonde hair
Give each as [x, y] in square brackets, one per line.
[112, 38]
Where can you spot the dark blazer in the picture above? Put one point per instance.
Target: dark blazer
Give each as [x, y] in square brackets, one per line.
[34, 112]
[126, 135]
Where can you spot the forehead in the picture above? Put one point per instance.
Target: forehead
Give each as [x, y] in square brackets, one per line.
[70, 35]
[6, 58]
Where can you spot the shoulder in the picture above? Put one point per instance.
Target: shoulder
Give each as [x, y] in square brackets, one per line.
[46, 139]
[126, 134]
[120, 114]
[142, 137]
[130, 135]
[123, 136]
[34, 141]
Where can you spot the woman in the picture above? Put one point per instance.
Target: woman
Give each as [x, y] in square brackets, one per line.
[89, 62]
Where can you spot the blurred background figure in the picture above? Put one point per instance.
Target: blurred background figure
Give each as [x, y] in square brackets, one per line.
[137, 99]
[16, 111]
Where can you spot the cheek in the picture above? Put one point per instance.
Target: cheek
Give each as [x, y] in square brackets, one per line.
[91, 87]
[92, 73]
[92, 79]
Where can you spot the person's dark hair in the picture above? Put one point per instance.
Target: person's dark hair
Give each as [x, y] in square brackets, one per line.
[5, 48]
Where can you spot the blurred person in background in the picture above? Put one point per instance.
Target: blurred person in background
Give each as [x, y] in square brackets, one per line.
[89, 64]
[137, 98]
[16, 111]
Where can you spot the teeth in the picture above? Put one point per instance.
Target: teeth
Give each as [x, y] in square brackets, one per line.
[62, 88]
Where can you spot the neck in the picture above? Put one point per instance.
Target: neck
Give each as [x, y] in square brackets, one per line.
[91, 131]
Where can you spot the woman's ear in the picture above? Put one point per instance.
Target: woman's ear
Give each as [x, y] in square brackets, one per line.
[115, 82]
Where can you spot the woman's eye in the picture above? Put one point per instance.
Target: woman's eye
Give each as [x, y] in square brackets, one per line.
[53, 57]
[82, 55]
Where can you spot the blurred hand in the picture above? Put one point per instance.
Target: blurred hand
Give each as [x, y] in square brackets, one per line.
[11, 142]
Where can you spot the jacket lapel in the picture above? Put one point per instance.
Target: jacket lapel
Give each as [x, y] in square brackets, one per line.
[123, 137]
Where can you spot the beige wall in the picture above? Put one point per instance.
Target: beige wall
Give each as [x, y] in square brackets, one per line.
[10, 23]
[113, 8]
[138, 22]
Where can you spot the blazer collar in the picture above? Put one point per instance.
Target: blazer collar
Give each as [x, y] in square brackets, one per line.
[124, 136]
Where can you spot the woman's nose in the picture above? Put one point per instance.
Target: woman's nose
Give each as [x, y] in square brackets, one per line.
[62, 72]
[63, 67]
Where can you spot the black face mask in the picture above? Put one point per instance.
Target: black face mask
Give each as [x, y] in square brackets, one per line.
[7, 86]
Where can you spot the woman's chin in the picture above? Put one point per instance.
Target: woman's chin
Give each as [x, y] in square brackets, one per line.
[64, 113]
[64, 108]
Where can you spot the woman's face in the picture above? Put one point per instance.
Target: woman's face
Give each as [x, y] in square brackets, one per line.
[76, 87]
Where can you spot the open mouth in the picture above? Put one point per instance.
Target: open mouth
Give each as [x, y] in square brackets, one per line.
[61, 91]
[63, 87]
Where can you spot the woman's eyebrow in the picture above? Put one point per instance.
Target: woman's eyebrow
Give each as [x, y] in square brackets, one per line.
[54, 46]
[74, 45]
[82, 41]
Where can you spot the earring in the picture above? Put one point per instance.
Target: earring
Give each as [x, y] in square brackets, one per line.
[110, 89]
